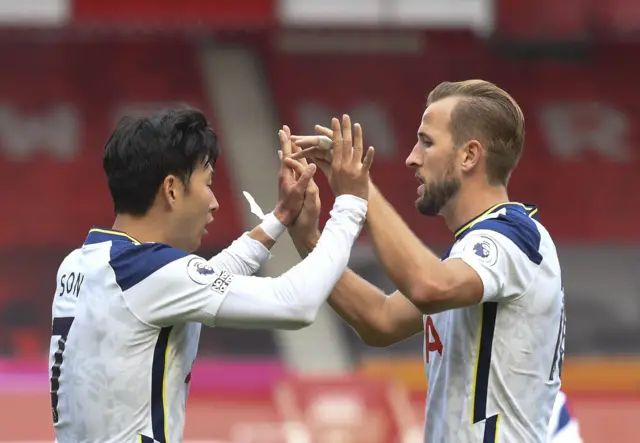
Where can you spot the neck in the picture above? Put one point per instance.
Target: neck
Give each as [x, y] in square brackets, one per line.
[470, 203]
[144, 228]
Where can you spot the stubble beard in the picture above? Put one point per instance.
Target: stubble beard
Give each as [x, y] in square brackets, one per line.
[436, 195]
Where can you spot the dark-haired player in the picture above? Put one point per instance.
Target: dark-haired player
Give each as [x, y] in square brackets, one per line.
[130, 301]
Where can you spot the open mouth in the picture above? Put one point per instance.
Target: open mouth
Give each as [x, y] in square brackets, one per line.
[420, 189]
[209, 221]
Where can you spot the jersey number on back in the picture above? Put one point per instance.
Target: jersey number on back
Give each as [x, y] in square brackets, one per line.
[61, 327]
[432, 339]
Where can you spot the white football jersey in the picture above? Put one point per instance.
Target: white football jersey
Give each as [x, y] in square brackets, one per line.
[563, 427]
[121, 351]
[493, 370]
[127, 319]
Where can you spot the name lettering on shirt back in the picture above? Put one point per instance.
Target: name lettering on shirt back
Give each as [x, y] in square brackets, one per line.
[70, 283]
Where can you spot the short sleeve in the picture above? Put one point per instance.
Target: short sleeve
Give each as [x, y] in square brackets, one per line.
[163, 286]
[490, 255]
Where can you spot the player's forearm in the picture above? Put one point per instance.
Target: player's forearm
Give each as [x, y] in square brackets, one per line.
[416, 271]
[248, 253]
[360, 304]
[243, 257]
[292, 300]
[304, 242]
[267, 232]
[261, 237]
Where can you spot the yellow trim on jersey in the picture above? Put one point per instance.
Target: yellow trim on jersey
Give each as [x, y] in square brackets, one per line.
[475, 368]
[140, 438]
[477, 219]
[164, 387]
[490, 210]
[110, 232]
[497, 429]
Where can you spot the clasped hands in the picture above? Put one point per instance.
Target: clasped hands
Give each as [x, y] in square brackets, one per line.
[347, 172]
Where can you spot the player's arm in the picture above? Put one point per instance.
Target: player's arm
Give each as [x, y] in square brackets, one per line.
[476, 270]
[248, 253]
[188, 289]
[430, 284]
[379, 319]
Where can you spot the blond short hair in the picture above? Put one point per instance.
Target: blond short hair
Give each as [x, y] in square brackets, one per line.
[490, 115]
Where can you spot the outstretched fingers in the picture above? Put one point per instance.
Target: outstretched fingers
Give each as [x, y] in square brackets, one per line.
[285, 141]
[347, 140]
[336, 137]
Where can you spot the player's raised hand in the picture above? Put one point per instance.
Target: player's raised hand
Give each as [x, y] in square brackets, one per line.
[305, 230]
[316, 148]
[349, 172]
[308, 220]
[293, 180]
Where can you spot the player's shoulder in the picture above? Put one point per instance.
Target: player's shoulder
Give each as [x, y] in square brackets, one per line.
[70, 260]
[154, 264]
[512, 225]
[133, 263]
[130, 260]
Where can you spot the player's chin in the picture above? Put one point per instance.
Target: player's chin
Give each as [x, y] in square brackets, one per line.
[196, 241]
[426, 207]
[194, 245]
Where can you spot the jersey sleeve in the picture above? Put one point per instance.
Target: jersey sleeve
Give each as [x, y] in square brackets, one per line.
[163, 286]
[292, 300]
[498, 262]
[244, 256]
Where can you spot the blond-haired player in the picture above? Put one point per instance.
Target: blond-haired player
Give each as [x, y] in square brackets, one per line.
[492, 307]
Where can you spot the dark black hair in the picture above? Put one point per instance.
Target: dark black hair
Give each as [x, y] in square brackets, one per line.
[143, 151]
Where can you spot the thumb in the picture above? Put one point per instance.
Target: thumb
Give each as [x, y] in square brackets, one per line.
[306, 177]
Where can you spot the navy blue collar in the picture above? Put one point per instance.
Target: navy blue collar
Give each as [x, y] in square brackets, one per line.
[529, 210]
[100, 235]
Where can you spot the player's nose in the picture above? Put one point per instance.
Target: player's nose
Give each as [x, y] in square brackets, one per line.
[213, 204]
[414, 160]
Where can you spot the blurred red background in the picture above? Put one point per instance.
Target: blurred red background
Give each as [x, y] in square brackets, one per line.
[71, 68]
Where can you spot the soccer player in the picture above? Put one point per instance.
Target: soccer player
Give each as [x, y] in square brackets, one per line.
[563, 427]
[130, 301]
[492, 307]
